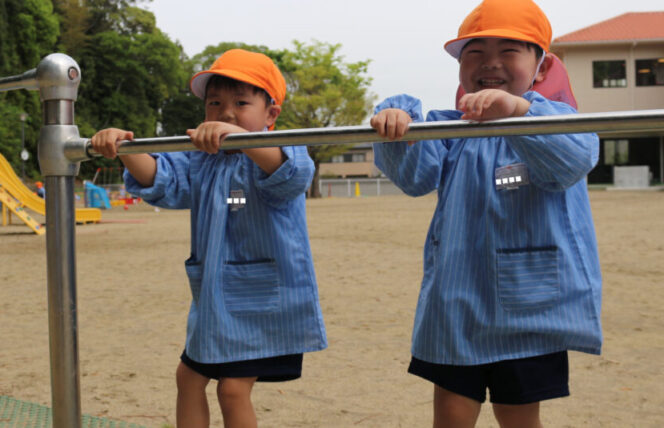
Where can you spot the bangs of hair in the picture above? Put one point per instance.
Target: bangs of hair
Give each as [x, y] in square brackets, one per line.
[222, 82]
[529, 45]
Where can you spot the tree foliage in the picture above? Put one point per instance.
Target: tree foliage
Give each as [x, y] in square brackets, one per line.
[323, 91]
[28, 31]
[129, 68]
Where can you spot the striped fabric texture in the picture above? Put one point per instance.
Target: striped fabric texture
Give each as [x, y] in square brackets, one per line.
[254, 291]
[508, 273]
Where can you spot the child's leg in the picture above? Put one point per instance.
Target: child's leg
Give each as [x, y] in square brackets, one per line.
[234, 396]
[192, 407]
[451, 410]
[518, 386]
[518, 415]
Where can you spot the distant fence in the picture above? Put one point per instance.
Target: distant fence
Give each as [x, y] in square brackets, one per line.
[347, 187]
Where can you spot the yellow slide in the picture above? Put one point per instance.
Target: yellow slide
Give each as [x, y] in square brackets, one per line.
[26, 197]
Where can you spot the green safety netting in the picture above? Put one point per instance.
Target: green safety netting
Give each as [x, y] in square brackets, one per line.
[22, 414]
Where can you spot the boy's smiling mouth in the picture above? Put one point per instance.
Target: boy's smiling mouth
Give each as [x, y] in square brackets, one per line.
[490, 82]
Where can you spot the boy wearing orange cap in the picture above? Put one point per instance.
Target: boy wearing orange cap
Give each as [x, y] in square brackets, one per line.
[255, 306]
[511, 270]
[40, 189]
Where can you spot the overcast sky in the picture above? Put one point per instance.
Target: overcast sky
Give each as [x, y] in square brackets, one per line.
[403, 39]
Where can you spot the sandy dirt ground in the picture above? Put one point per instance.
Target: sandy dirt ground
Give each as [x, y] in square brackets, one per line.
[133, 299]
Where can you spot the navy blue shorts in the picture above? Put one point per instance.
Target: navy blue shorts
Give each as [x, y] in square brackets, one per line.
[274, 369]
[521, 381]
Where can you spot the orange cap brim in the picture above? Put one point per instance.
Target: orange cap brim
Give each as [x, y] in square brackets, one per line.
[199, 82]
[455, 46]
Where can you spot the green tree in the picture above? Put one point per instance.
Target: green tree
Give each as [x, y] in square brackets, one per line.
[323, 91]
[129, 67]
[80, 19]
[127, 76]
[28, 32]
[74, 18]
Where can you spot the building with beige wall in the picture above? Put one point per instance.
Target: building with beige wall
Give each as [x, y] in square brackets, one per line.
[618, 65]
[358, 161]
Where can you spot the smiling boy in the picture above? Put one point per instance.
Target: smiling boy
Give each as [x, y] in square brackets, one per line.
[511, 270]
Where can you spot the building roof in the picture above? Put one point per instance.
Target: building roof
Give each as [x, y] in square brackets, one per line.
[626, 27]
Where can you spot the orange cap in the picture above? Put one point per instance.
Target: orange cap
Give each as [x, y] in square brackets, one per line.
[38, 184]
[250, 67]
[506, 19]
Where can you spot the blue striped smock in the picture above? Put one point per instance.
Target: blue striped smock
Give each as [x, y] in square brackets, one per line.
[254, 291]
[507, 273]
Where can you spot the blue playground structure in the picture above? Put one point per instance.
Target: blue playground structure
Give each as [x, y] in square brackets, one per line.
[96, 197]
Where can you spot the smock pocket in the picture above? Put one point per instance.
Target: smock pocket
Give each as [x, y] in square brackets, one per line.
[195, 275]
[251, 288]
[527, 278]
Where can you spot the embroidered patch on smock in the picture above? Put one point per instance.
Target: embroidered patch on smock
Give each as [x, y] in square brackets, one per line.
[237, 200]
[511, 176]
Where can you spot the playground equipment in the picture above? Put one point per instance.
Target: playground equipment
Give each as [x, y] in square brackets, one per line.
[61, 149]
[110, 180]
[28, 199]
[96, 196]
[108, 175]
[13, 205]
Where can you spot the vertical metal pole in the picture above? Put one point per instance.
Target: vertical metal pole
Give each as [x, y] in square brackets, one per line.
[23, 146]
[661, 160]
[58, 76]
[62, 322]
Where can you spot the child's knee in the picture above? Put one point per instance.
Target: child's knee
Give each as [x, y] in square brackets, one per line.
[233, 389]
[186, 378]
[454, 408]
[519, 415]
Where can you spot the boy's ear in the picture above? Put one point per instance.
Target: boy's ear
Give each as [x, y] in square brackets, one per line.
[273, 113]
[544, 68]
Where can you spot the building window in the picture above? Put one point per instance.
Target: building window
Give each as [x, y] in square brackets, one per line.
[609, 74]
[650, 72]
[354, 157]
[616, 152]
[349, 157]
[359, 157]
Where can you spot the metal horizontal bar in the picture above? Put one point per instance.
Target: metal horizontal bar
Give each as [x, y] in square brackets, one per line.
[27, 80]
[640, 120]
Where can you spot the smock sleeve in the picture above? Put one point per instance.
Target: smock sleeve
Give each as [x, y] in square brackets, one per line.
[555, 162]
[289, 181]
[415, 169]
[171, 187]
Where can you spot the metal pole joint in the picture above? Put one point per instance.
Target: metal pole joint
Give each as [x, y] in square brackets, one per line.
[58, 77]
[54, 141]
